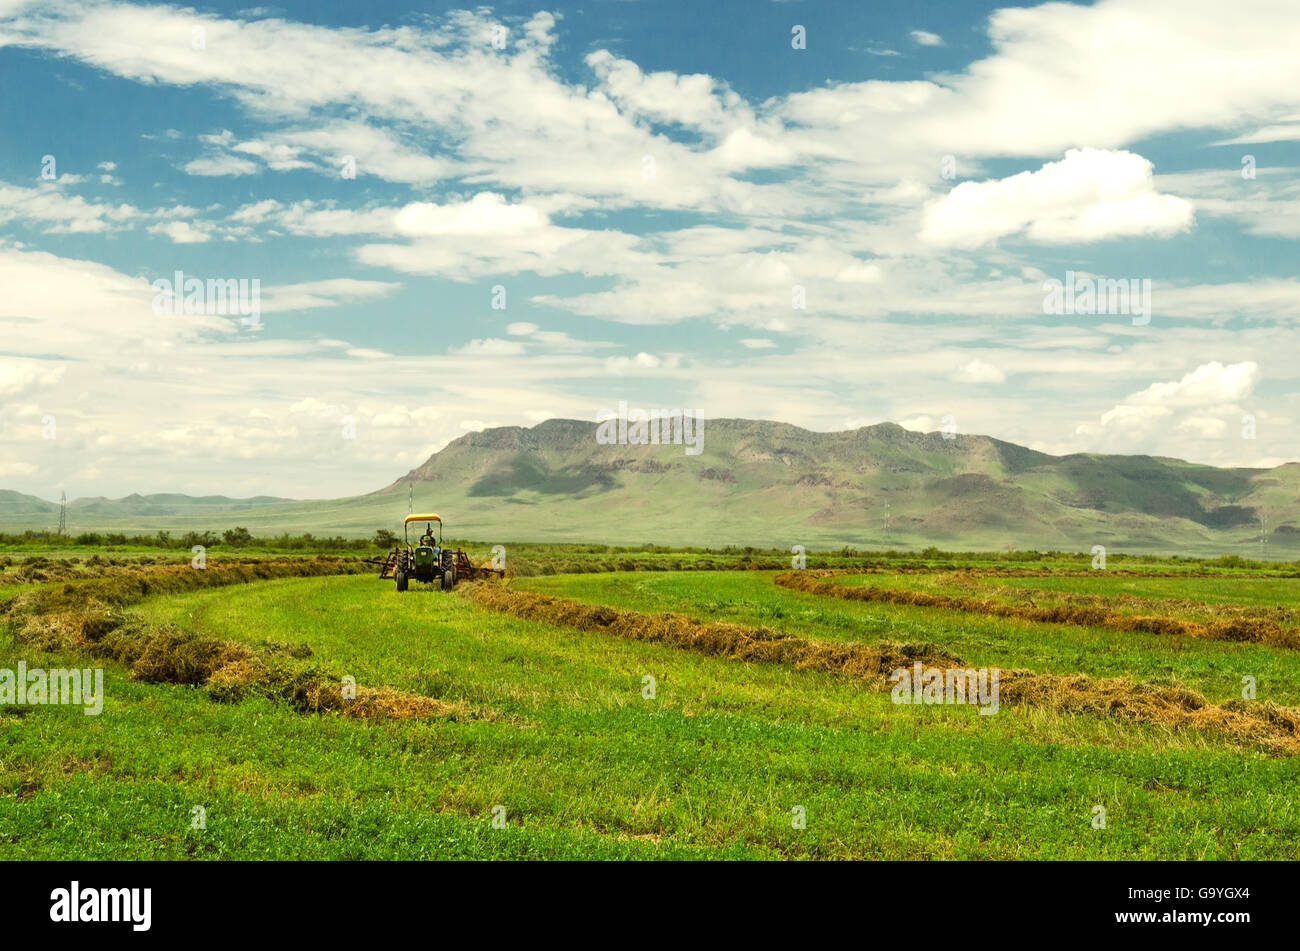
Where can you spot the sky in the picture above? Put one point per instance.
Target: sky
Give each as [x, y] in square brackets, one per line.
[831, 214]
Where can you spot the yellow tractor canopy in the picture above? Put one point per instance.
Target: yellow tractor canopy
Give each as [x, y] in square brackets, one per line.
[422, 518]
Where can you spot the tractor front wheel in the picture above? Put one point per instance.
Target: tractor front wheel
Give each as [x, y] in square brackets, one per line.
[449, 578]
[401, 579]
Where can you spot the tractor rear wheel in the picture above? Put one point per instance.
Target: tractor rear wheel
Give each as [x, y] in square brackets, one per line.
[449, 578]
[401, 579]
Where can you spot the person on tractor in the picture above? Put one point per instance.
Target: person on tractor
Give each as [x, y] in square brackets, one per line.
[427, 538]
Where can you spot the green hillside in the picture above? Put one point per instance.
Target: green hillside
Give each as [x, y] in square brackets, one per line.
[16, 508]
[772, 484]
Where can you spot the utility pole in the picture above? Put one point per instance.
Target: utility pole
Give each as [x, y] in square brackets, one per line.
[63, 513]
[1263, 533]
[410, 499]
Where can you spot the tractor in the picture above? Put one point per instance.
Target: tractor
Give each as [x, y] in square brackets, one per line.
[429, 561]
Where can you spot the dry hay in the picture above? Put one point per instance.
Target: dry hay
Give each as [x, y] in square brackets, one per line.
[1282, 616]
[1254, 630]
[1171, 706]
[718, 639]
[87, 618]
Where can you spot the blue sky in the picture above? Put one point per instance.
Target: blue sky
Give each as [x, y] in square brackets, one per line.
[653, 186]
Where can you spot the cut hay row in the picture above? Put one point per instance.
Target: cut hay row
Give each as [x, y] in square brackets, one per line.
[1284, 617]
[1253, 630]
[1009, 571]
[89, 619]
[120, 588]
[718, 639]
[1170, 707]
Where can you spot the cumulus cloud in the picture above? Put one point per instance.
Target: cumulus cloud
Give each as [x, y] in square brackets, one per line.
[50, 208]
[1202, 403]
[484, 214]
[979, 371]
[181, 232]
[1207, 384]
[1090, 195]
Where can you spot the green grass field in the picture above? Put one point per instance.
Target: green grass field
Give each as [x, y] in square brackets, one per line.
[552, 726]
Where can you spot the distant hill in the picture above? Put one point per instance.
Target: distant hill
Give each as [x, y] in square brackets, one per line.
[20, 512]
[14, 506]
[167, 504]
[772, 484]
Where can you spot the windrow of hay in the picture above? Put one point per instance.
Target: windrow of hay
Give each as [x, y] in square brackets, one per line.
[1014, 571]
[1281, 615]
[133, 585]
[41, 568]
[1251, 629]
[865, 662]
[1170, 707]
[88, 618]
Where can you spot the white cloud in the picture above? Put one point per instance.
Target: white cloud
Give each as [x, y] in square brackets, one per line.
[181, 232]
[1204, 427]
[54, 210]
[642, 361]
[919, 424]
[220, 165]
[490, 347]
[979, 371]
[926, 38]
[18, 377]
[1090, 195]
[328, 293]
[698, 101]
[1207, 399]
[1207, 384]
[485, 214]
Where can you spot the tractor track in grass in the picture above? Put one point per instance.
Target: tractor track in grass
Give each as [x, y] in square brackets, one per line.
[89, 617]
[1243, 628]
[1260, 723]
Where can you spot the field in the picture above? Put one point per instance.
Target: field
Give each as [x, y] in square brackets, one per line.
[710, 708]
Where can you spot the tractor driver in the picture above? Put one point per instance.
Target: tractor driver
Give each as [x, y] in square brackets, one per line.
[427, 538]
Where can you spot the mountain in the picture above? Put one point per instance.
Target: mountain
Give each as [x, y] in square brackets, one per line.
[767, 483]
[167, 504]
[16, 506]
[144, 513]
[773, 484]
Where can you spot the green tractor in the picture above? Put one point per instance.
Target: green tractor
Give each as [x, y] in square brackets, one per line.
[427, 561]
